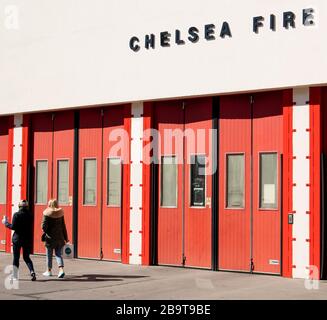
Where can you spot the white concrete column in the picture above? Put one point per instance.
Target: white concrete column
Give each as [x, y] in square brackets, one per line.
[17, 162]
[301, 179]
[136, 176]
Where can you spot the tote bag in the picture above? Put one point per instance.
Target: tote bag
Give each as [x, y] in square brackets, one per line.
[68, 251]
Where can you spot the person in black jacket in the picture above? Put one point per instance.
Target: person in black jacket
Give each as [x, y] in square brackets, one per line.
[22, 224]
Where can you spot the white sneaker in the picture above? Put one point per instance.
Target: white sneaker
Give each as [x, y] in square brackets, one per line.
[61, 274]
[47, 273]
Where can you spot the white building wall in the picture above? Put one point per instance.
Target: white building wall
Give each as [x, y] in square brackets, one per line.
[17, 160]
[68, 53]
[301, 179]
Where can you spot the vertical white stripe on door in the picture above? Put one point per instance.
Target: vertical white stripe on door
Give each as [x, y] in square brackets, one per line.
[136, 173]
[301, 178]
[17, 161]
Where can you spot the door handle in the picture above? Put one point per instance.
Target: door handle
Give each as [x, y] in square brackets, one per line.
[208, 202]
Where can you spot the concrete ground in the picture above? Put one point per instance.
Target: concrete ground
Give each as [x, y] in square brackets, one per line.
[87, 279]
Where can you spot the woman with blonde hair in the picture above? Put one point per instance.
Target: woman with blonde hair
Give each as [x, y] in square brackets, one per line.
[54, 235]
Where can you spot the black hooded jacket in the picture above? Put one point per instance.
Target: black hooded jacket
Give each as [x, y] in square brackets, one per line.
[22, 224]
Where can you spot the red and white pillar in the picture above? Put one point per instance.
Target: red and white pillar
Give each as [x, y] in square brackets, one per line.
[136, 184]
[306, 183]
[16, 173]
[140, 185]
[301, 179]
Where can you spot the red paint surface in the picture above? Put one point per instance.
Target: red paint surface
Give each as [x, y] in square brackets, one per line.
[63, 149]
[169, 115]
[267, 137]
[111, 216]
[10, 209]
[90, 147]
[146, 195]
[315, 179]
[198, 221]
[234, 224]
[25, 155]
[100, 226]
[52, 140]
[287, 182]
[126, 184]
[5, 146]
[184, 226]
[242, 237]
[41, 150]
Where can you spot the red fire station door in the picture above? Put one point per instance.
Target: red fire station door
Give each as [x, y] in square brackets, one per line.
[4, 136]
[100, 184]
[52, 172]
[184, 180]
[250, 166]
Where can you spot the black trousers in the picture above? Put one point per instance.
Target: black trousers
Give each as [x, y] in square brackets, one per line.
[26, 255]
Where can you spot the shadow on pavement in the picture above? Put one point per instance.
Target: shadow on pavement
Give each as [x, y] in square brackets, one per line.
[89, 278]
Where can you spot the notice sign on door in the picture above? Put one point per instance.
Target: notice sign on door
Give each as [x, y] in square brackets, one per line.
[269, 196]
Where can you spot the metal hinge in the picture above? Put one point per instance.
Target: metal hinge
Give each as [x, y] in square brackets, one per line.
[251, 99]
[101, 254]
[102, 112]
[184, 260]
[183, 105]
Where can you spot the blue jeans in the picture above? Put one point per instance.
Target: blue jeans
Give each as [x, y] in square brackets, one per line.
[58, 253]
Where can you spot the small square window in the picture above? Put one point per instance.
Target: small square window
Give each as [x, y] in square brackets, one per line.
[235, 181]
[114, 183]
[268, 181]
[41, 181]
[3, 182]
[90, 182]
[168, 181]
[63, 181]
[198, 181]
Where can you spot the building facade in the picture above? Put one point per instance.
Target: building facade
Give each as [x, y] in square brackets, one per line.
[180, 134]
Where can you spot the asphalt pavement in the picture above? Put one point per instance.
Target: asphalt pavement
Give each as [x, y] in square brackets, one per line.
[90, 279]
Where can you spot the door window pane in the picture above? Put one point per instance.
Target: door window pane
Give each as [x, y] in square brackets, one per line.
[3, 182]
[90, 181]
[198, 191]
[41, 181]
[114, 182]
[168, 181]
[63, 181]
[235, 181]
[268, 180]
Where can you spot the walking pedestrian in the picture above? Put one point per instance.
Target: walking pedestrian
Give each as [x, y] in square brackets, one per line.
[54, 235]
[22, 225]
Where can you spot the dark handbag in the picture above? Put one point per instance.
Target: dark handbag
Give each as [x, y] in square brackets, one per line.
[43, 237]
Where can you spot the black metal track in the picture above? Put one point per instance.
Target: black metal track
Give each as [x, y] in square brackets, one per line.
[215, 184]
[154, 207]
[75, 183]
[323, 267]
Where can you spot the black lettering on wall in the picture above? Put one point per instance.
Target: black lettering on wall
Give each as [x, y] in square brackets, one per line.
[225, 30]
[308, 17]
[289, 19]
[150, 41]
[257, 22]
[193, 34]
[209, 30]
[272, 22]
[133, 44]
[178, 38]
[165, 39]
